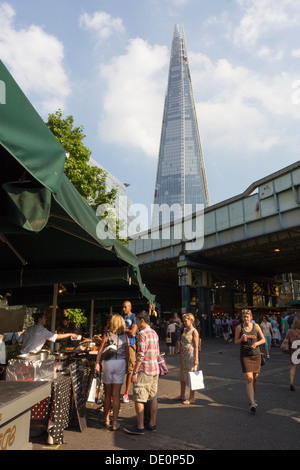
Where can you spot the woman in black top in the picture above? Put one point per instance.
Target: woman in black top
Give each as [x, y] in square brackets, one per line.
[250, 337]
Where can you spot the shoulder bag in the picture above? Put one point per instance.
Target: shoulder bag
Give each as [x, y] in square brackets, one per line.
[163, 368]
[110, 349]
[285, 346]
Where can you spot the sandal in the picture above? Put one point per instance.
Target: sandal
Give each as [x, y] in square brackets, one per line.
[106, 423]
[188, 402]
[178, 399]
[115, 426]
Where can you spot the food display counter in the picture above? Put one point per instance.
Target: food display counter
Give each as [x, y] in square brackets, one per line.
[45, 391]
[16, 401]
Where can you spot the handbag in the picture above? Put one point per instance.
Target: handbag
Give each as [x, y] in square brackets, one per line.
[262, 359]
[163, 368]
[285, 346]
[195, 380]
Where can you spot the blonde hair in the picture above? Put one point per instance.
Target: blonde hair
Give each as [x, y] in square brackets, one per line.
[188, 316]
[117, 324]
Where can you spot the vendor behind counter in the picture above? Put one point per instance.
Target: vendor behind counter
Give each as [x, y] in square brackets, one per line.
[35, 336]
[67, 327]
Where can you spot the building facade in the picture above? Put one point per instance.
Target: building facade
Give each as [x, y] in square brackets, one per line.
[181, 179]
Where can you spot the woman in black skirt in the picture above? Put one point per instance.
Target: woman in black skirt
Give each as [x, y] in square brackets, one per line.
[250, 337]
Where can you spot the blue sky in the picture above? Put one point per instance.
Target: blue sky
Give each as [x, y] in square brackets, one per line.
[106, 63]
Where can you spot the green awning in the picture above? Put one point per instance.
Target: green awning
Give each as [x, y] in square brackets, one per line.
[25, 136]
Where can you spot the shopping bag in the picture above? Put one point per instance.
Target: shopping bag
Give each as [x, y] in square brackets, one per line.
[163, 368]
[93, 390]
[195, 380]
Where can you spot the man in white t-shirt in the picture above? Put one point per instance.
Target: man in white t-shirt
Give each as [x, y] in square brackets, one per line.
[268, 332]
[35, 336]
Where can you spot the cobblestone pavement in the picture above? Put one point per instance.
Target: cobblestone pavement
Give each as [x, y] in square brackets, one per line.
[220, 418]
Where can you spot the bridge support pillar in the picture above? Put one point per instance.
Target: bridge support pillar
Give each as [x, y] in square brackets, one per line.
[185, 298]
[205, 315]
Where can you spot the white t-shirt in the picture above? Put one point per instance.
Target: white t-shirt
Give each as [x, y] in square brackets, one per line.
[34, 338]
[171, 328]
[266, 328]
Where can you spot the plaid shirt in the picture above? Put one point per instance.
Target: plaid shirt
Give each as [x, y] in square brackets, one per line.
[148, 351]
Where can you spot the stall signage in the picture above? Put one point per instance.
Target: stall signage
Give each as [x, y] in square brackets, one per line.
[7, 437]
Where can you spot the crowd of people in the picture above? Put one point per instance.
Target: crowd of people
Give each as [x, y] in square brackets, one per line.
[138, 349]
[135, 340]
[274, 327]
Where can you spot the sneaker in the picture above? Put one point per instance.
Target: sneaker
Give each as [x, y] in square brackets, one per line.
[253, 408]
[150, 428]
[125, 398]
[134, 430]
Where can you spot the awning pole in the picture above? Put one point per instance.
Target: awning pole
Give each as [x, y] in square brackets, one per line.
[53, 317]
[92, 318]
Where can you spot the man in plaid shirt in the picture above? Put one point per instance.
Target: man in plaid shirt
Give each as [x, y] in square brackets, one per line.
[145, 374]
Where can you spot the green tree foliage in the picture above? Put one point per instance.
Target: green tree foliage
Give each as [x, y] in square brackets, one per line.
[76, 316]
[89, 180]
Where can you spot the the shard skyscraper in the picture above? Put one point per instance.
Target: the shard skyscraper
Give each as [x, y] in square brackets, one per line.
[180, 179]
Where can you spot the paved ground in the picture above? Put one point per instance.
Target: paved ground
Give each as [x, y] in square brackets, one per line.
[220, 419]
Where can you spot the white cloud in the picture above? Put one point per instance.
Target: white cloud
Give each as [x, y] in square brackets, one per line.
[241, 109]
[264, 16]
[295, 53]
[103, 24]
[133, 104]
[35, 60]
[238, 108]
[266, 53]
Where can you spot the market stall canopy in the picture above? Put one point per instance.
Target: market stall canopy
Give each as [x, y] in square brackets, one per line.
[48, 233]
[25, 136]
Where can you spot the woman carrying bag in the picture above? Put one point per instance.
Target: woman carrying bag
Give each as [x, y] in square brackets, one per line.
[113, 367]
[170, 339]
[189, 357]
[292, 339]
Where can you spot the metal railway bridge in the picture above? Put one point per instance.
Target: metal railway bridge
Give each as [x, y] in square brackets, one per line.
[234, 256]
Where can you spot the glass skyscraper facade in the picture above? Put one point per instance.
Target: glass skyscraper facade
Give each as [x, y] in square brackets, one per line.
[180, 178]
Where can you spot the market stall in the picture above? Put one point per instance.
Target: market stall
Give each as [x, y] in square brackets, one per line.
[68, 374]
[48, 236]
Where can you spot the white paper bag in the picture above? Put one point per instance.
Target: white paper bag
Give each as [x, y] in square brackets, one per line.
[195, 380]
[92, 394]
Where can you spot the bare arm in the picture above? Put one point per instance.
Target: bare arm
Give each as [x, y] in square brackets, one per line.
[237, 338]
[196, 345]
[261, 336]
